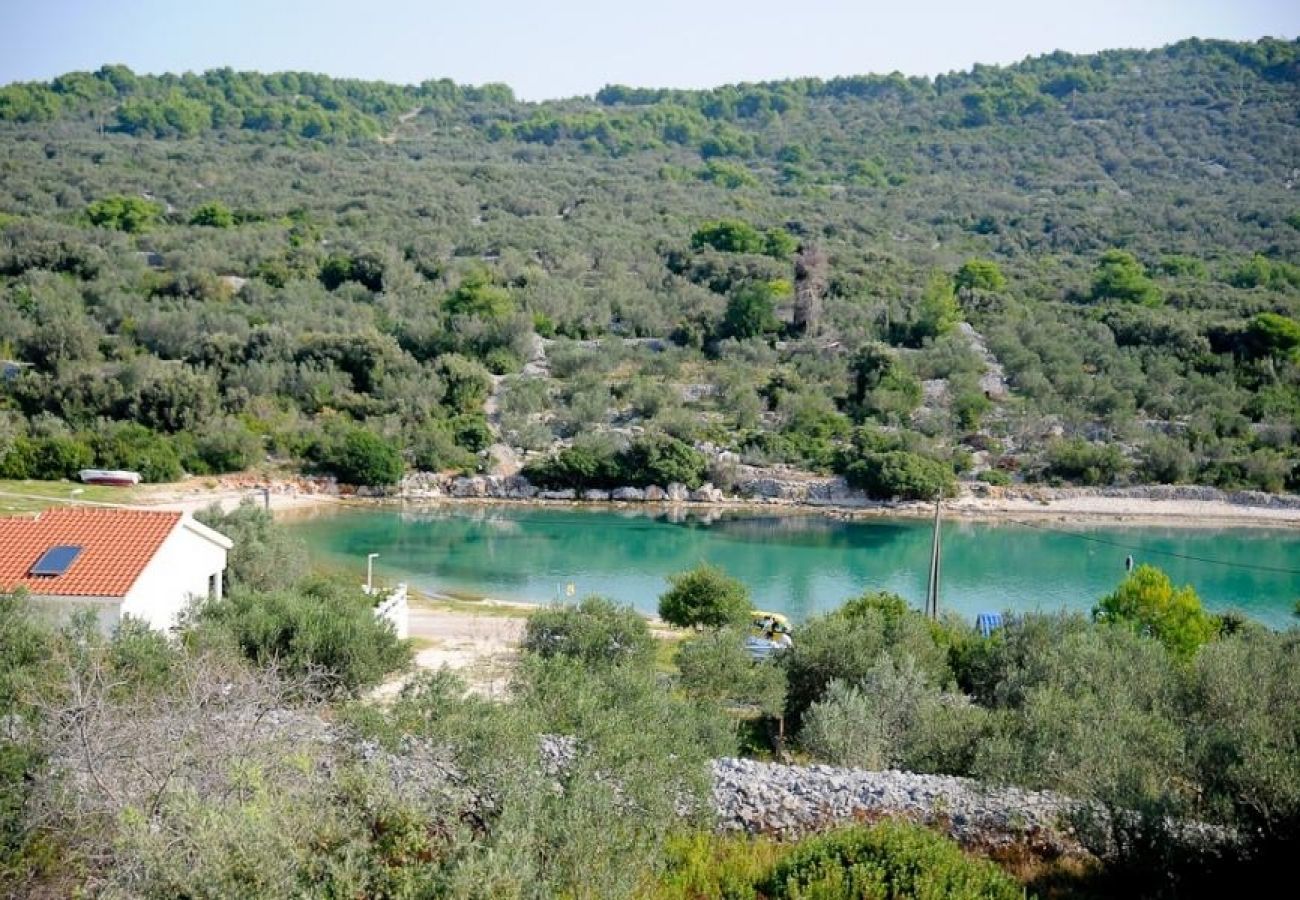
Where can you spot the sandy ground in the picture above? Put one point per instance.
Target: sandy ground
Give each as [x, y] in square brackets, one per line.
[1125, 510]
[192, 497]
[480, 646]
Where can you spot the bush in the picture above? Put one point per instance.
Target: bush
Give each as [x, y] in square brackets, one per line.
[225, 446]
[45, 459]
[130, 214]
[847, 645]
[1119, 276]
[360, 457]
[1078, 461]
[1244, 703]
[1148, 603]
[716, 666]
[980, 274]
[134, 447]
[265, 556]
[705, 596]
[213, 215]
[583, 465]
[596, 463]
[893, 718]
[662, 459]
[994, 477]
[434, 448]
[887, 860]
[597, 632]
[901, 475]
[324, 630]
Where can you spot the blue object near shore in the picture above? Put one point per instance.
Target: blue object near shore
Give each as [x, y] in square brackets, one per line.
[988, 622]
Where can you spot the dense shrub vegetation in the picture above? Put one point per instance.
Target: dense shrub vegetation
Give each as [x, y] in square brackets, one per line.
[1153, 711]
[1155, 708]
[202, 270]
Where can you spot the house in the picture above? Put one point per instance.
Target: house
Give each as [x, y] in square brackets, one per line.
[147, 564]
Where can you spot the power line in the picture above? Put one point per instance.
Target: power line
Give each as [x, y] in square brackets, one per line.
[1140, 549]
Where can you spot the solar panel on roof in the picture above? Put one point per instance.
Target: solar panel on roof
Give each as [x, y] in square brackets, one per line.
[55, 561]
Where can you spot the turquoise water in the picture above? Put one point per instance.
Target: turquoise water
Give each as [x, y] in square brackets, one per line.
[798, 564]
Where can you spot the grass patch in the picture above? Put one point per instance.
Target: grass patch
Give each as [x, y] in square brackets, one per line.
[665, 650]
[39, 495]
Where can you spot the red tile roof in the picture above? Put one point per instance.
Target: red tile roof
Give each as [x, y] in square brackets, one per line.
[116, 546]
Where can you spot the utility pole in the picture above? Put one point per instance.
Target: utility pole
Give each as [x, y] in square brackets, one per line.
[936, 553]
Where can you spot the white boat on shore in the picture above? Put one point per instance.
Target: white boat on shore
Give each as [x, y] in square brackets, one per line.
[116, 477]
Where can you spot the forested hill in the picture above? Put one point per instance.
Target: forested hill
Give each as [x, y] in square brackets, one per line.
[1078, 268]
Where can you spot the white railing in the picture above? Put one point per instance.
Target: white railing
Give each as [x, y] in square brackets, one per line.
[394, 609]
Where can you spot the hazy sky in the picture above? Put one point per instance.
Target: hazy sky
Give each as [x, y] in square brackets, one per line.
[553, 49]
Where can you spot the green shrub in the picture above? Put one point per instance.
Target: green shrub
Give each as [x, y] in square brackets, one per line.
[716, 666]
[324, 630]
[705, 596]
[596, 463]
[597, 632]
[890, 860]
[265, 557]
[1148, 603]
[995, 477]
[1243, 705]
[900, 475]
[134, 447]
[848, 645]
[583, 465]
[359, 456]
[981, 275]
[662, 459]
[45, 459]
[894, 717]
[130, 214]
[1078, 461]
[1119, 276]
[225, 446]
[434, 448]
[213, 215]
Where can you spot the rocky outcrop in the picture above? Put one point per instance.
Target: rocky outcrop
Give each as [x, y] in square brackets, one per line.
[706, 493]
[628, 494]
[677, 493]
[780, 484]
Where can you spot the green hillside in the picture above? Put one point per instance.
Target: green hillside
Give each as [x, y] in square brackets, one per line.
[197, 270]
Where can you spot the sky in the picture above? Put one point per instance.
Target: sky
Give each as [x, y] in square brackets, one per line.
[547, 50]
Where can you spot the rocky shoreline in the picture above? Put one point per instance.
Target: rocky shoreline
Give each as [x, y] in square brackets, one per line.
[778, 489]
[754, 485]
[792, 490]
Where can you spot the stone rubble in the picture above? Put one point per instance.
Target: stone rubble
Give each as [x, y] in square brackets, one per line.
[769, 798]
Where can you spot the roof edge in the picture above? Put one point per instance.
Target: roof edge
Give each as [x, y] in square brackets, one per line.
[203, 531]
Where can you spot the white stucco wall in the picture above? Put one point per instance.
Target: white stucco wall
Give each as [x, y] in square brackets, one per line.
[178, 572]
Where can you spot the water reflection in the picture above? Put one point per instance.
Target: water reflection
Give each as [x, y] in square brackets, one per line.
[797, 564]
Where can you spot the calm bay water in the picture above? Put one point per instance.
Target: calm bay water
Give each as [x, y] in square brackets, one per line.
[798, 564]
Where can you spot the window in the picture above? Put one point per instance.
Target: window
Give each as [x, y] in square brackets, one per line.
[55, 561]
